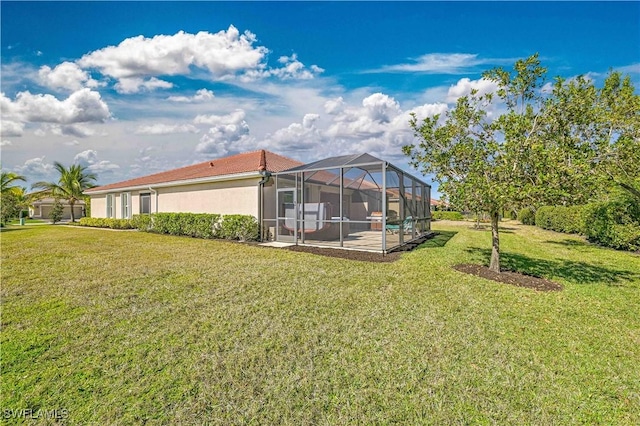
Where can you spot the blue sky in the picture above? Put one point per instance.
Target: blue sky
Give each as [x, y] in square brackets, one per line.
[133, 88]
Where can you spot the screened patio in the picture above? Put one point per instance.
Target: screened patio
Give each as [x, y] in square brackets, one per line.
[354, 202]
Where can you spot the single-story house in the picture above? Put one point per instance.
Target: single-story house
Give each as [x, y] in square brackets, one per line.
[41, 209]
[232, 185]
[354, 201]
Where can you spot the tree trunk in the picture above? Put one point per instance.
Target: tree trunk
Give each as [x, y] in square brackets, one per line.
[495, 243]
[71, 204]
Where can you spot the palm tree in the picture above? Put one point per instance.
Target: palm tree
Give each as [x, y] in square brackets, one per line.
[8, 178]
[71, 185]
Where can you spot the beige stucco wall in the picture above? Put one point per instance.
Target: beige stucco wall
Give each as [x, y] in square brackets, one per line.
[227, 197]
[230, 197]
[98, 206]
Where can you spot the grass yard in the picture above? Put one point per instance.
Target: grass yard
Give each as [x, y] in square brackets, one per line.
[106, 327]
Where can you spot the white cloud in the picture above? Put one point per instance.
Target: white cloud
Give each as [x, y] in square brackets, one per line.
[292, 69]
[67, 75]
[228, 132]
[630, 69]
[202, 95]
[234, 117]
[371, 119]
[89, 159]
[72, 143]
[35, 169]
[11, 128]
[442, 63]
[223, 54]
[6, 143]
[296, 136]
[135, 84]
[77, 130]
[165, 129]
[82, 106]
[334, 106]
[381, 107]
[464, 86]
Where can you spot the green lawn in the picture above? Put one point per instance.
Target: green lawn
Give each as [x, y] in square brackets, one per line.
[127, 327]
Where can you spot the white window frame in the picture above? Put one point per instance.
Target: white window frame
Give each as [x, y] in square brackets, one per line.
[111, 207]
[125, 205]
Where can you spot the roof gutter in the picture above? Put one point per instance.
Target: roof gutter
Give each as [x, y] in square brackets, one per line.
[156, 194]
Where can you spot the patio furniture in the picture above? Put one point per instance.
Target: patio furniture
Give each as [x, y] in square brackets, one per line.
[407, 226]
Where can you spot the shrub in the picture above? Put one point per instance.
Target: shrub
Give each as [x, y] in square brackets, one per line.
[527, 216]
[197, 225]
[56, 211]
[141, 222]
[561, 219]
[446, 215]
[110, 223]
[614, 224]
[239, 227]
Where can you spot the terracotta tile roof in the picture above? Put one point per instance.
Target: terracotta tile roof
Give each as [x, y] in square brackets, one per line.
[254, 161]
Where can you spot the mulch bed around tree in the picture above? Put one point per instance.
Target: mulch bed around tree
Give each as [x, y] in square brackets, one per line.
[508, 277]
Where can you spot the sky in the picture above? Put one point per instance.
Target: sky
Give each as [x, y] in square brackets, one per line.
[133, 88]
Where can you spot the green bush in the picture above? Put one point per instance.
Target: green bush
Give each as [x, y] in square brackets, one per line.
[446, 215]
[239, 227]
[560, 219]
[98, 222]
[141, 222]
[56, 211]
[614, 224]
[197, 225]
[200, 225]
[527, 216]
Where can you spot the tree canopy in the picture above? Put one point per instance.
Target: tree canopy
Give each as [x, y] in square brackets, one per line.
[8, 181]
[531, 143]
[71, 185]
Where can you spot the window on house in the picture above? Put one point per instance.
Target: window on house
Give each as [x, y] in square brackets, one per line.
[145, 203]
[110, 206]
[125, 203]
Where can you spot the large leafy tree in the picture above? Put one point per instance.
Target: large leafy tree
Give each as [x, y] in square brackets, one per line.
[563, 146]
[483, 162]
[618, 147]
[597, 133]
[71, 185]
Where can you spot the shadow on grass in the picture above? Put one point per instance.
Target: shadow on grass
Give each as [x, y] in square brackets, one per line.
[569, 270]
[569, 243]
[439, 240]
[487, 228]
[9, 229]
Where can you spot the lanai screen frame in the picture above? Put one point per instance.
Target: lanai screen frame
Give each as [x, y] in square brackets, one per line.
[335, 175]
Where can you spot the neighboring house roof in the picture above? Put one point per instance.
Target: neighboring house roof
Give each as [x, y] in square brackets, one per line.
[51, 200]
[245, 163]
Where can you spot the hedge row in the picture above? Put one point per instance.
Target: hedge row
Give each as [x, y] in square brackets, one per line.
[527, 216]
[446, 215]
[561, 219]
[97, 222]
[197, 225]
[614, 224]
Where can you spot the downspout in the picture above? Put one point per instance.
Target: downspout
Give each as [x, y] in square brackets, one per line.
[265, 178]
[156, 194]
